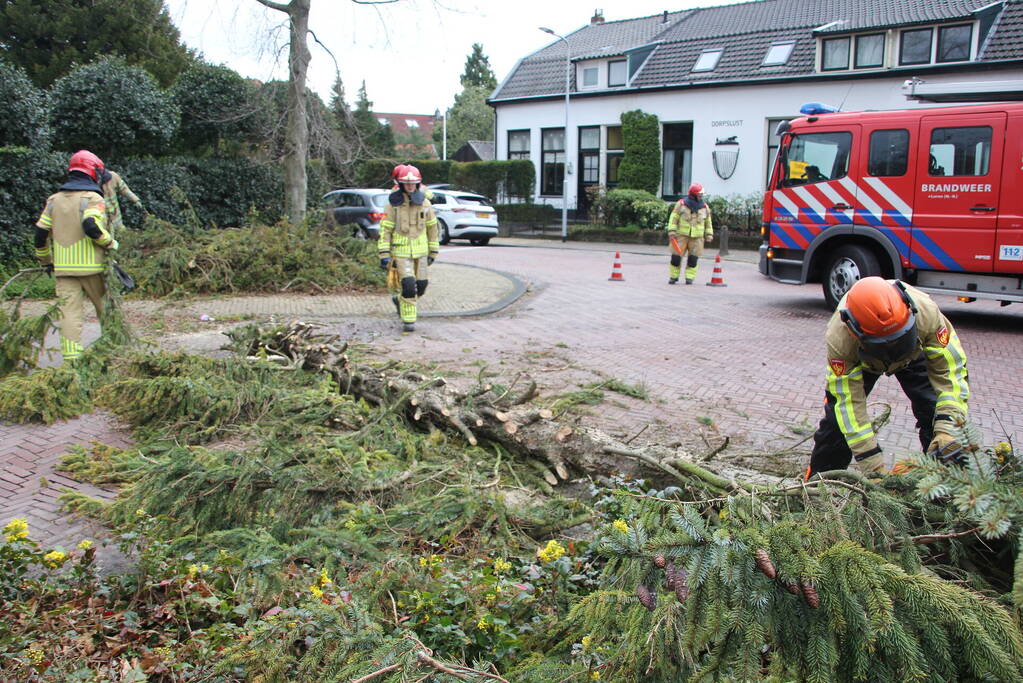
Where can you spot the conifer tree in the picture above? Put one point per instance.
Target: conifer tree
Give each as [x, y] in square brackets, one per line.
[477, 70]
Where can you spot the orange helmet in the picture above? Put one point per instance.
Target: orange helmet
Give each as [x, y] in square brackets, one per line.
[407, 173]
[88, 163]
[882, 316]
[696, 189]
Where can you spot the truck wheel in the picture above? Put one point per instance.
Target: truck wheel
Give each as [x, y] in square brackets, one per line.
[848, 264]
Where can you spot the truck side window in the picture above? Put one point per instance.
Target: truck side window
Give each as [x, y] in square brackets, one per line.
[962, 151]
[816, 157]
[889, 153]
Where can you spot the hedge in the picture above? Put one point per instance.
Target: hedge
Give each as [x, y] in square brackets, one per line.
[494, 179]
[643, 209]
[27, 178]
[528, 214]
[641, 165]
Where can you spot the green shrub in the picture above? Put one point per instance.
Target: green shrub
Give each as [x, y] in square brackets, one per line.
[27, 178]
[495, 179]
[532, 214]
[740, 213]
[112, 109]
[637, 207]
[24, 119]
[216, 104]
[377, 172]
[641, 165]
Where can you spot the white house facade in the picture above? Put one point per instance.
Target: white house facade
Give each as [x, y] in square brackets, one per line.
[719, 79]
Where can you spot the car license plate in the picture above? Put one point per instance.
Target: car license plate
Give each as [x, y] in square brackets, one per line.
[482, 214]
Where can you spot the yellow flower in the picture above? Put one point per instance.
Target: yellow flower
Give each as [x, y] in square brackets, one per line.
[54, 559]
[34, 655]
[193, 570]
[205, 567]
[551, 552]
[316, 591]
[85, 545]
[501, 565]
[16, 529]
[594, 675]
[586, 642]
[482, 624]
[140, 512]
[620, 525]
[323, 579]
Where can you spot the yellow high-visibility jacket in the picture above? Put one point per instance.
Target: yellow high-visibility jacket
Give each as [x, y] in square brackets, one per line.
[685, 222]
[72, 252]
[409, 230]
[946, 369]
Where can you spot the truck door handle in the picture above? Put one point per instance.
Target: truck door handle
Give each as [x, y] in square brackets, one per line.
[983, 208]
[841, 207]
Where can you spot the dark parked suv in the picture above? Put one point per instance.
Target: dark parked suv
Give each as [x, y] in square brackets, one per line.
[361, 209]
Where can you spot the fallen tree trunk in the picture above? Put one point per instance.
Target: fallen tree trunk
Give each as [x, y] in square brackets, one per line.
[480, 413]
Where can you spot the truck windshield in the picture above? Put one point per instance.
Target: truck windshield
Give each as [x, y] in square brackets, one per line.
[815, 158]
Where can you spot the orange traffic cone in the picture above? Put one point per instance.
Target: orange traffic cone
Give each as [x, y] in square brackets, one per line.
[616, 269]
[716, 280]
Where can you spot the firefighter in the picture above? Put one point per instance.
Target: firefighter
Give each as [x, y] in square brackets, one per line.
[113, 185]
[689, 227]
[886, 326]
[72, 240]
[408, 242]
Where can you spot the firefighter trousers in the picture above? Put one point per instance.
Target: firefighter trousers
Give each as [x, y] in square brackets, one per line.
[831, 452]
[72, 292]
[411, 284]
[692, 249]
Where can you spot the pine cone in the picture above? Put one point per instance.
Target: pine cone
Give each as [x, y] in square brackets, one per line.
[810, 595]
[646, 597]
[669, 575]
[764, 563]
[660, 561]
[791, 587]
[681, 587]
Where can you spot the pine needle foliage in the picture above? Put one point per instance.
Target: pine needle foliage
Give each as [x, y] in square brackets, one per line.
[166, 260]
[22, 339]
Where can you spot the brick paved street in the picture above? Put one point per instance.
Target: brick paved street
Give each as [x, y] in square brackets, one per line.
[744, 360]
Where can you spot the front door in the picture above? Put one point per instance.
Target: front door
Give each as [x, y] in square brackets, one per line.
[589, 168]
[959, 159]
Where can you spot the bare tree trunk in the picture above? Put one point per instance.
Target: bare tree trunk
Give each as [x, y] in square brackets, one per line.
[296, 141]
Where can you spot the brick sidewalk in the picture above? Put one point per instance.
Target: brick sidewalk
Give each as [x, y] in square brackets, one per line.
[30, 484]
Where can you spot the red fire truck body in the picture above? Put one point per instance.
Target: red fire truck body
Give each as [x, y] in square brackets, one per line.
[931, 196]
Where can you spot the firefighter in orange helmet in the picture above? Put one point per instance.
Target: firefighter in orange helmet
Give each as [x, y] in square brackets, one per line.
[409, 241]
[887, 326]
[71, 237]
[689, 227]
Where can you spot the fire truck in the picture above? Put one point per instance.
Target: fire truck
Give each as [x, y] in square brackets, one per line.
[931, 196]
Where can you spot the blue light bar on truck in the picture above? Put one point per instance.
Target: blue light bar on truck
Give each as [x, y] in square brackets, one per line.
[815, 108]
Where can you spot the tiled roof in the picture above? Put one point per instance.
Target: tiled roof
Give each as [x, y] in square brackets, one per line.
[745, 31]
[400, 123]
[485, 149]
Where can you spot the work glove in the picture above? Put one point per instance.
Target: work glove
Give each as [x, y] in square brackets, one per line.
[385, 262]
[49, 268]
[141, 207]
[707, 239]
[430, 259]
[114, 245]
[946, 448]
[873, 464]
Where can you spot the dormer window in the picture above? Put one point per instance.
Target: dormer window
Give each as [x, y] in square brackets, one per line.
[778, 54]
[590, 76]
[835, 54]
[936, 44]
[869, 51]
[708, 60]
[616, 72]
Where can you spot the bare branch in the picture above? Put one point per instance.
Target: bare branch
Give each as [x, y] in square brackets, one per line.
[273, 5]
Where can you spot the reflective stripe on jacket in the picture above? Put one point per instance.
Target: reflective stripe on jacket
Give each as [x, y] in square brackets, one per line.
[111, 189]
[946, 369]
[689, 223]
[409, 231]
[73, 252]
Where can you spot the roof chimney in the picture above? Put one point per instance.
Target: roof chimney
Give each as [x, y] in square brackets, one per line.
[664, 19]
[598, 17]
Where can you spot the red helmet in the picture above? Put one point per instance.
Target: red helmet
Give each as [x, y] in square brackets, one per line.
[407, 173]
[88, 163]
[695, 189]
[882, 316]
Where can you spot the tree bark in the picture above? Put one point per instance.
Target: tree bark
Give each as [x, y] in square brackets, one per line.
[296, 140]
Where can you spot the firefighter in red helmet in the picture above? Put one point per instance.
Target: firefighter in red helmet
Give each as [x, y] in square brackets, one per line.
[409, 241]
[71, 237]
[689, 228]
[887, 326]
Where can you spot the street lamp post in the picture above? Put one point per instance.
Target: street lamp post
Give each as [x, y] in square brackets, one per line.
[564, 175]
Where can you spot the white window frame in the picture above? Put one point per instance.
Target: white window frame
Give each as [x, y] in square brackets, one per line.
[586, 70]
[625, 74]
[708, 60]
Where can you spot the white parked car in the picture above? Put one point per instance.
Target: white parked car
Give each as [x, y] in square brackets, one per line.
[464, 216]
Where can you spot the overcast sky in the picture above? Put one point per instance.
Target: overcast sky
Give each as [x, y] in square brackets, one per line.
[410, 52]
